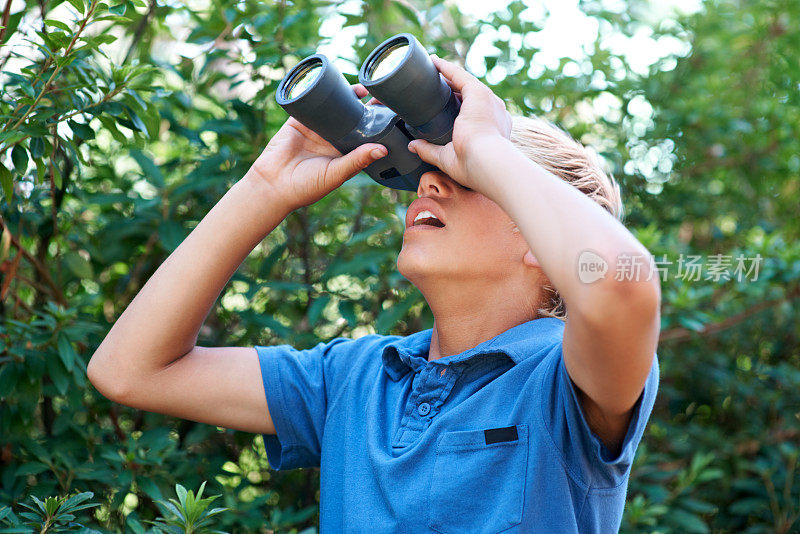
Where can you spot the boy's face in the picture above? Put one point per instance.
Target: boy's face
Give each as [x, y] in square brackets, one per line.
[477, 244]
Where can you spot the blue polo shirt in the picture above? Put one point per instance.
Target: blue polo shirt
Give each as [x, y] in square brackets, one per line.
[492, 439]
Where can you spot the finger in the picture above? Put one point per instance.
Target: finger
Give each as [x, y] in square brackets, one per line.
[428, 152]
[304, 130]
[374, 101]
[458, 77]
[347, 166]
[360, 90]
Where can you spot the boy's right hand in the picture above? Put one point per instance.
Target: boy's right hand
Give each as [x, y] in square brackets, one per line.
[302, 167]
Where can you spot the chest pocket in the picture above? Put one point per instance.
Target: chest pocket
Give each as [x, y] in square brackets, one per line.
[478, 480]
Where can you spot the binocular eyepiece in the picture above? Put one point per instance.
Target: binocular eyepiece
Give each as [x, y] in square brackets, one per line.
[417, 103]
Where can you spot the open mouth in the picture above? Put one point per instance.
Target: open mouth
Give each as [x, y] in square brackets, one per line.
[426, 218]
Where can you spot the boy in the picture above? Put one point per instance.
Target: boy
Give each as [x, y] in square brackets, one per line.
[508, 415]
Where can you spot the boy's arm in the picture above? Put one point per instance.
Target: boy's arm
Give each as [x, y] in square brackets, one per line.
[612, 327]
[149, 360]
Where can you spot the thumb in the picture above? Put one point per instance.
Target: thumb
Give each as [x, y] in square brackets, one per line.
[348, 165]
[428, 152]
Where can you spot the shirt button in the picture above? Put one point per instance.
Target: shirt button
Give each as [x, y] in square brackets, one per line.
[424, 409]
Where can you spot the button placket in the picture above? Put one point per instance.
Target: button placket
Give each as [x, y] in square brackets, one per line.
[413, 423]
[425, 395]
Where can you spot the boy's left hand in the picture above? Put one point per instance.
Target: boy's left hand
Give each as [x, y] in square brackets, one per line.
[482, 118]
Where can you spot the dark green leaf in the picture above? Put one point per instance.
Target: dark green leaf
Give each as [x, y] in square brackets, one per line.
[31, 468]
[19, 156]
[57, 373]
[8, 377]
[316, 308]
[84, 131]
[80, 266]
[151, 171]
[37, 147]
[7, 182]
[66, 352]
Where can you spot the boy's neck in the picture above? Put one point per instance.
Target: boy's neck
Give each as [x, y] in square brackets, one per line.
[456, 334]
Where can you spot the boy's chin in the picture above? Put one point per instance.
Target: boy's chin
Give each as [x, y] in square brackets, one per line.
[416, 264]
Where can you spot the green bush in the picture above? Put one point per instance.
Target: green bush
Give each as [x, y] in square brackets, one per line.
[123, 122]
[188, 514]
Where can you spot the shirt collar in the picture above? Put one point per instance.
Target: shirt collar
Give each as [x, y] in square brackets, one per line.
[517, 343]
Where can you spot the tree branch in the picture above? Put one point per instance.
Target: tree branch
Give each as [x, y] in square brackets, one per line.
[139, 31]
[4, 22]
[683, 334]
[58, 295]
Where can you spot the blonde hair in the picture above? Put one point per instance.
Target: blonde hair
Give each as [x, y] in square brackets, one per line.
[555, 150]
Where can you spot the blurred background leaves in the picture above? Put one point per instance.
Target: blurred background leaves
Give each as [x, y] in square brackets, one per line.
[123, 122]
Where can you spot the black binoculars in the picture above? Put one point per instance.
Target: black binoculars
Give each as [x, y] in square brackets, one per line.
[416, 103]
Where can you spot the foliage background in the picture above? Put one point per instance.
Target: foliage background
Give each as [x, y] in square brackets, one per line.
[122, 123]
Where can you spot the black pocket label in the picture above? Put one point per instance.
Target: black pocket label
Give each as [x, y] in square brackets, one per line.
[498, 435]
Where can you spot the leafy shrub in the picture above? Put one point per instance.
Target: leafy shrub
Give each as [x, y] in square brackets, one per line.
[123, 122]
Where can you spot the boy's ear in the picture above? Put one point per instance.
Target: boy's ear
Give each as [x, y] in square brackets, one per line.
[530, 260]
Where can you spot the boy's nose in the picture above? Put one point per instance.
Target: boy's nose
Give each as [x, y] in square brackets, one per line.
[435, 183]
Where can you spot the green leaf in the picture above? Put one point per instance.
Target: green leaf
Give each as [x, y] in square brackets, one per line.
[41, 171]
[83, 131]
[150, 170]
[80, 266]
[152, 119]
[111, 126]
[136, 120]
[56, 174]
[72, 503]
[78, 5]
[58, 374]
[688, 522]
[66, 352]
[114, 18]
[8, 377]
[316, 308]
[172, 234]
[389, 316]
[37, 147]
[7, 182]
[103, 38]
[118, 9]
[31, 468]
[19, 156]
[181, 492]
[348, 311]
[57, 24]
[51, 505]
[269, 262]
[149, 487]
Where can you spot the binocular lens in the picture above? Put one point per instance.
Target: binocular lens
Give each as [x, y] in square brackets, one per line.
[387, 60]
[302, 80]
[416, 103]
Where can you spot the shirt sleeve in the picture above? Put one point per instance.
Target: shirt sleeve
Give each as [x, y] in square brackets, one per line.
[584, 454]
[296, 385]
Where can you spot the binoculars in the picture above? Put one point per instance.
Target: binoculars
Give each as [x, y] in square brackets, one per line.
[415, 103]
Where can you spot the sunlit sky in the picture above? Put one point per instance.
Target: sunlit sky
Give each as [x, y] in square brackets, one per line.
[566, 30]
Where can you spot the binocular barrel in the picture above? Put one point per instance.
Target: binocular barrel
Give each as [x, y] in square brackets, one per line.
[416, 103]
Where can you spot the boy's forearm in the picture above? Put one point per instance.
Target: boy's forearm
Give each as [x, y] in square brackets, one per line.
[558, 221]
[162, 322]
